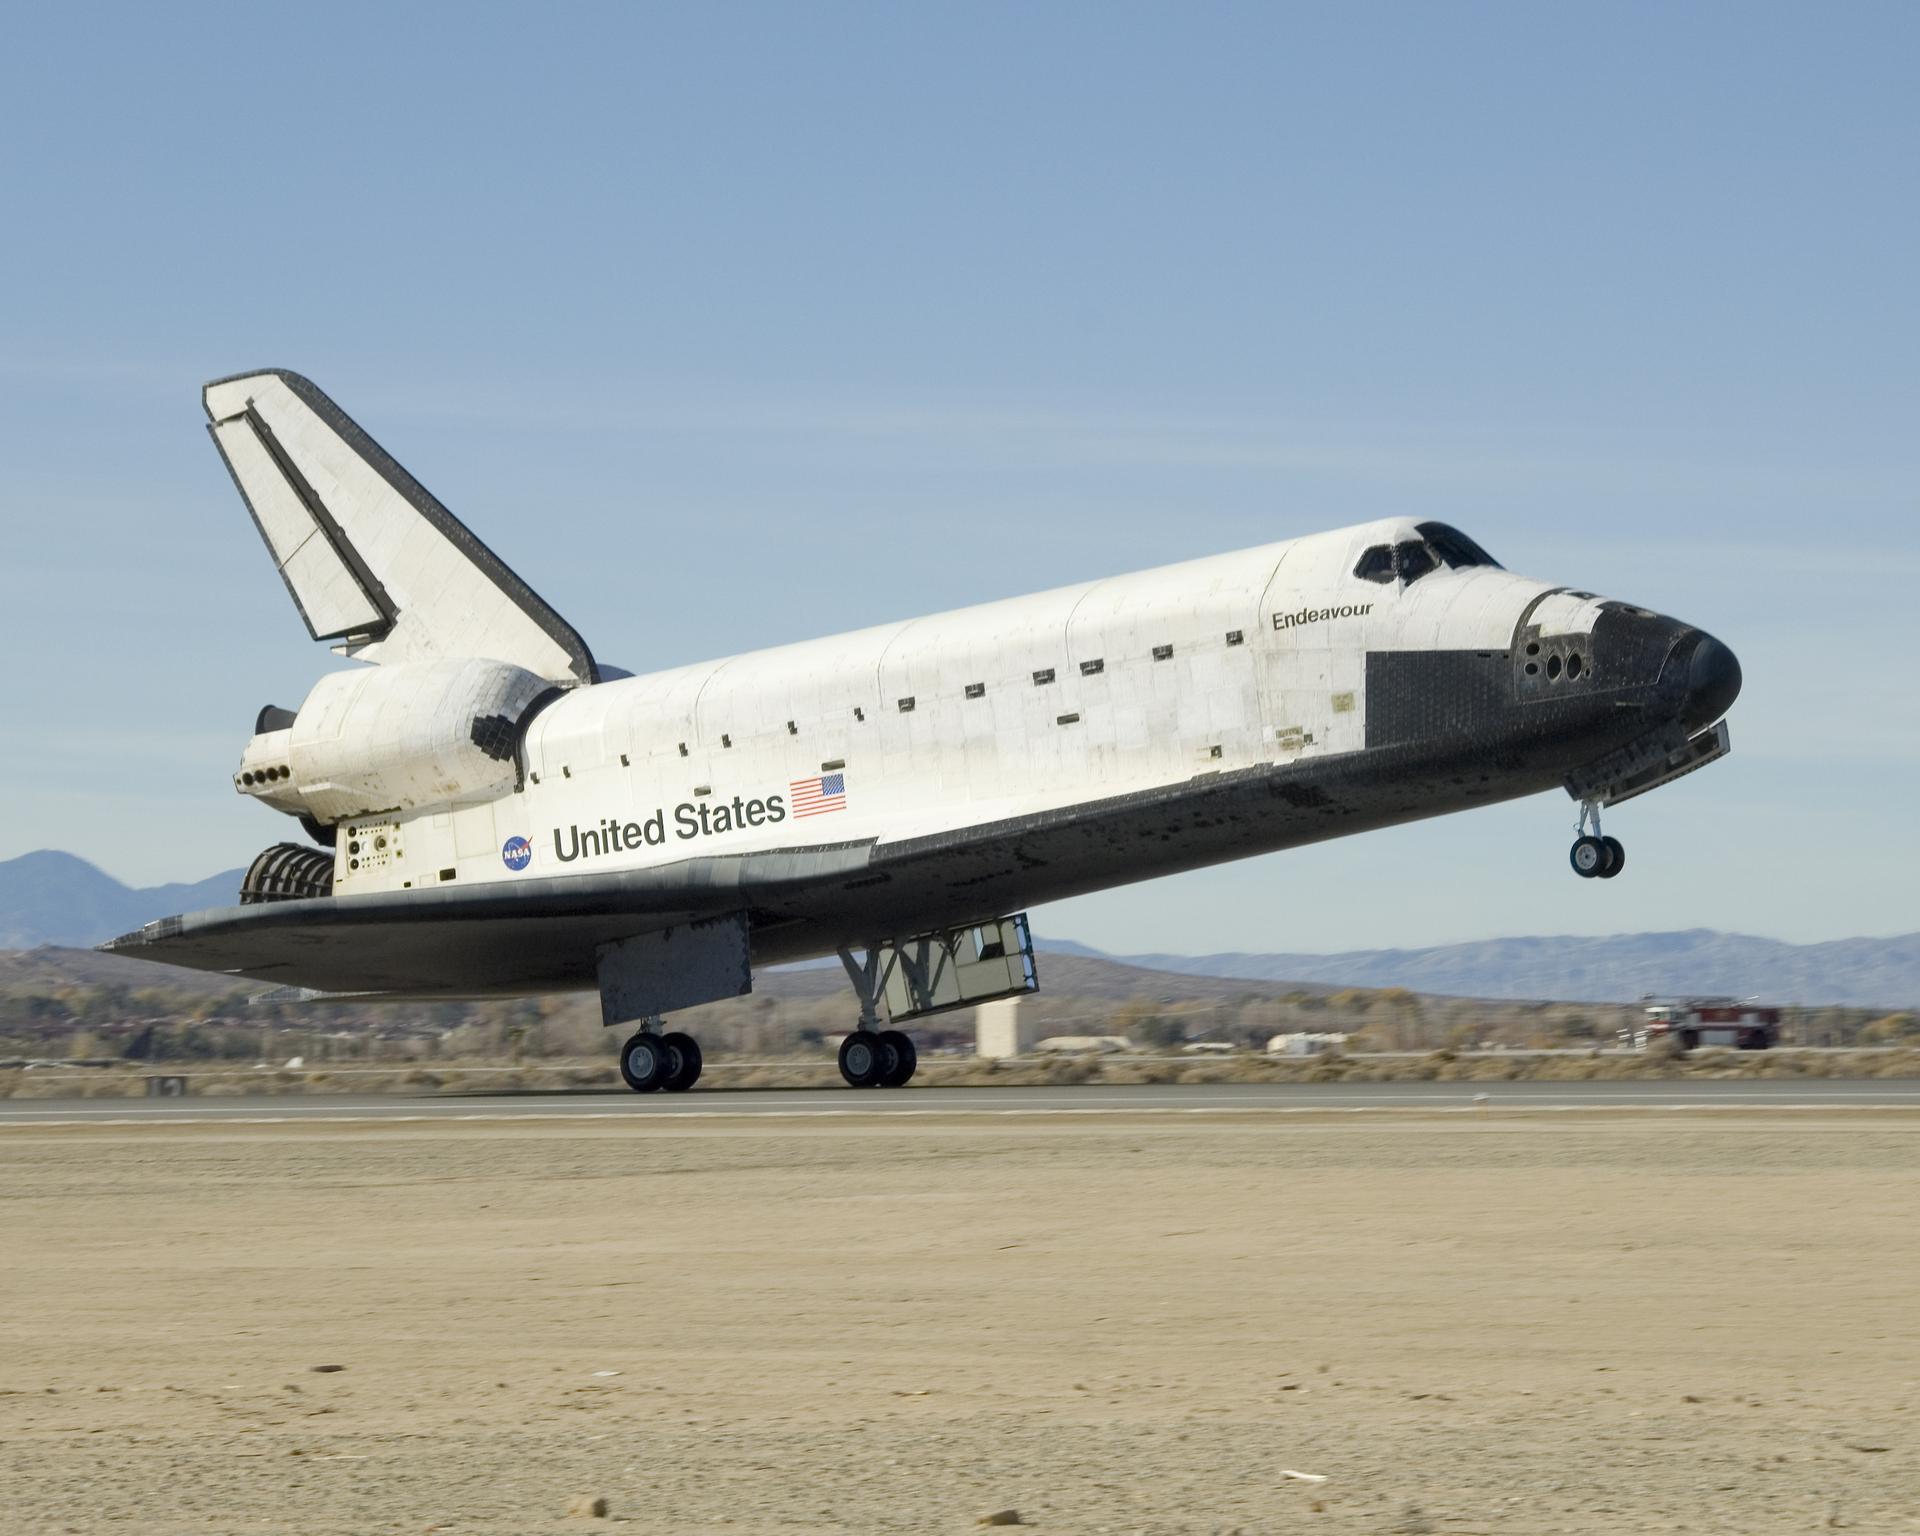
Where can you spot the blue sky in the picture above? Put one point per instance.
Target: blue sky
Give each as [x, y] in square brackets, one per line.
[732, 324]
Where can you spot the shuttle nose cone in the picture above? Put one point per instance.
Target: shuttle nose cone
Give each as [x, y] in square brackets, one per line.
[1713, 683]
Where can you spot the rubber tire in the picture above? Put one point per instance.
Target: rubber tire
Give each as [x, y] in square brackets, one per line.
[1591, 849]
[685, 1053]
[863, 1059]
[1616, 857]
[905, 1058]
[646, 1078]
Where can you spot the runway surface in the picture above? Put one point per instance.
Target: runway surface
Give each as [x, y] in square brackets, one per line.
[1089, 1100]
[894, 1323]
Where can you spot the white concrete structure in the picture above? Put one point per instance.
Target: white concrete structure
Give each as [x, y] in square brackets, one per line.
[1000, 1033]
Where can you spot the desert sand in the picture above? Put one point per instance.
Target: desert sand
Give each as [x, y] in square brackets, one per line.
[1527, 1324]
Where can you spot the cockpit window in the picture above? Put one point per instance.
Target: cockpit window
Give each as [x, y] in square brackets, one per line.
[1454, 547]
[1376, 564]
[1414, 560]
[1396, 562]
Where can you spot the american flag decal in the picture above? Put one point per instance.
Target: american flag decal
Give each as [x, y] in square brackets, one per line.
[816, 796]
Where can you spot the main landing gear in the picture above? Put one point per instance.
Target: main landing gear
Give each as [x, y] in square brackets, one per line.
[883, 1058]
[651, 1062]
[1593, 856]
[872, 1057]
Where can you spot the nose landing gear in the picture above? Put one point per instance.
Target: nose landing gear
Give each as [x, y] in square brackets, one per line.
[1594, 856]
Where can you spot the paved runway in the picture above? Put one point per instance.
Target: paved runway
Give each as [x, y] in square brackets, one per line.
[1090, 1100]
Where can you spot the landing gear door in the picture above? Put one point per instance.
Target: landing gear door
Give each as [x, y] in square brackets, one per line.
[1313, 651]
[957, 967]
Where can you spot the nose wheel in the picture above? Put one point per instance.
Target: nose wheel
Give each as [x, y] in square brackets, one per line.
[1595, 856]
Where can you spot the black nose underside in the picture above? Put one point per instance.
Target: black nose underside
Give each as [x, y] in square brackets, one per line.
[1713, 682]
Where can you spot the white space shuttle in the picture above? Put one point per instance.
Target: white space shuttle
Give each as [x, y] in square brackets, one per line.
[491, 812]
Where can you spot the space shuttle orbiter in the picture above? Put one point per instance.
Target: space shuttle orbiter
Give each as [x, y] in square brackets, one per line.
[487, 811]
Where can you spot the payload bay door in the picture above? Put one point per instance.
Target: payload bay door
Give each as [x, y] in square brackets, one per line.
[1313, 670]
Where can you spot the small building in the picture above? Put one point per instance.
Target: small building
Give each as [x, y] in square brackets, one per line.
[1083, 1045]
[1304, 1043]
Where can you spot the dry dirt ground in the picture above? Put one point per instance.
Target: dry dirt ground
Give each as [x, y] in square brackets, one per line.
[1625, 1323]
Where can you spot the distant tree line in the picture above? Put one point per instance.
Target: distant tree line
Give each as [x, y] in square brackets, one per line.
[159, 1023]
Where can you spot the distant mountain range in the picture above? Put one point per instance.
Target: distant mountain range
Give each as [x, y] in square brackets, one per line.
[55, 898]
[1865, 973]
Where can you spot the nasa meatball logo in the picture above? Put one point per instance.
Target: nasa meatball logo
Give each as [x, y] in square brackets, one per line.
[518, 853]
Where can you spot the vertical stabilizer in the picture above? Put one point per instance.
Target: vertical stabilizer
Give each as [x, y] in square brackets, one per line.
[371, 559]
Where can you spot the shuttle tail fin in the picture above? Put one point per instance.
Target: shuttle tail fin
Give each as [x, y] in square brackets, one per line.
[371, 559]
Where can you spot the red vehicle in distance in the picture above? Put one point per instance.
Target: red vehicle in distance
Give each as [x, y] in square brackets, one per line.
[1708, 1021]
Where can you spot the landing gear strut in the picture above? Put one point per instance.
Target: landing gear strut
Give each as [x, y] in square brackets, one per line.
[651, 1062]
[872, 1057]
[1594, 856]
